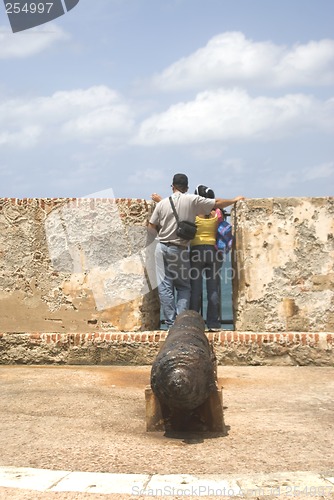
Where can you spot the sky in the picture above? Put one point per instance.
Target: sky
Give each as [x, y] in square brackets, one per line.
[116, 96]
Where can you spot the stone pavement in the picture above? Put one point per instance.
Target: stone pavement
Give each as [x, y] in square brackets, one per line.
[77, 432]
[293, 484]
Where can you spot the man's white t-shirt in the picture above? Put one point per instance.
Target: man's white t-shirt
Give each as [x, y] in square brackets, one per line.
[187, 206]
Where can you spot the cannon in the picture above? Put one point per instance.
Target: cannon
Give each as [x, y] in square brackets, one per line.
[184, 393]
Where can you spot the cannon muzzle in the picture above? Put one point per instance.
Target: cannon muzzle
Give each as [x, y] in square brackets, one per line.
[183, 373]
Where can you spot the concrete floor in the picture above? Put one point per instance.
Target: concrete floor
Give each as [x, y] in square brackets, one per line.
[91, 419]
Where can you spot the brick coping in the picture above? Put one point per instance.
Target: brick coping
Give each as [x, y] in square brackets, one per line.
[222, 337]
[141, 348]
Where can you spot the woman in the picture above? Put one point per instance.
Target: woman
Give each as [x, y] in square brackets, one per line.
[206, 261]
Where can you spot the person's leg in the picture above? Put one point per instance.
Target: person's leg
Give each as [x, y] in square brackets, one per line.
[196, 280]
[212, 274]
[181, 277]
[165, 284]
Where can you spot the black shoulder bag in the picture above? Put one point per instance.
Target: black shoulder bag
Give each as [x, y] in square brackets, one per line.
[185, 230]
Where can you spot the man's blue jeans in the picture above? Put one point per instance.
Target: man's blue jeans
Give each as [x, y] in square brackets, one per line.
[173, 266]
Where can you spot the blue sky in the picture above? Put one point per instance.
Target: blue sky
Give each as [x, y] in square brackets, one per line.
[118, 95]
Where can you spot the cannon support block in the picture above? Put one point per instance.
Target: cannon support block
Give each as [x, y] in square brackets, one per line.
[207, 417]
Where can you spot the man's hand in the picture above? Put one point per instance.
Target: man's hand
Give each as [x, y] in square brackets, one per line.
[239, 198]
[156, 197]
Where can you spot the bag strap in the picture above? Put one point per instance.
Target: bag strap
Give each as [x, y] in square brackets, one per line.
[173, 208]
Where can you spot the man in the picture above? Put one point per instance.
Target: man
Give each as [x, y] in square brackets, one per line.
[172, 252]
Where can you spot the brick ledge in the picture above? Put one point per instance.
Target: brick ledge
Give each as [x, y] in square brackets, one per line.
[140, 348]
[221, 337]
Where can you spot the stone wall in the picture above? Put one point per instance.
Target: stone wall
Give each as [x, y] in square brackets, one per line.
[284, 265]
[141, 348]
[76, 273]
[75, 265]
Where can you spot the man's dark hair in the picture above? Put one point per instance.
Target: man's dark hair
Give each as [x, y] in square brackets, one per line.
[180, 182]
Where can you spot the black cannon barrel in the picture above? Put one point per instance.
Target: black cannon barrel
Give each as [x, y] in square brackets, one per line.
[183, 374]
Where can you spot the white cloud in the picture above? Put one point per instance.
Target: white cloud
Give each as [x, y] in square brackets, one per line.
[94, 114]
[310, 64]
[27, 44]
[148, 175]
[322, 171]
[26, 137]
[231, 58]
[224, 115]
[235, 165]
[104, 113]
[294, 177]
[208, 151]
[283, 182]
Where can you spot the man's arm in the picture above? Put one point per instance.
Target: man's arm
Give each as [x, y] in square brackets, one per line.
[152, 231]
[152, 228]
[221, 203]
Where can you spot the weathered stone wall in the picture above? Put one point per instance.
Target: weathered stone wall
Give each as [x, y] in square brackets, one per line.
[75, 273]
[74, 265]
[140, 348]
[284, 265]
